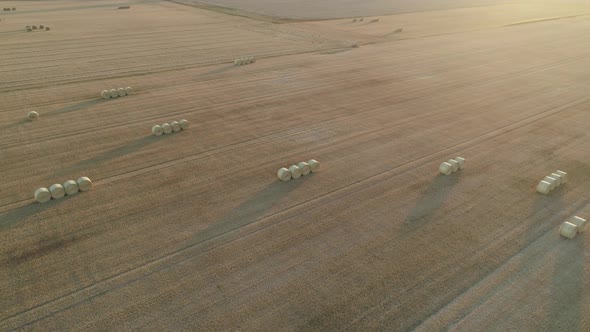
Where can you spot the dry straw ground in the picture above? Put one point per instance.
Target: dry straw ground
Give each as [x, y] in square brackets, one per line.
[193, 231]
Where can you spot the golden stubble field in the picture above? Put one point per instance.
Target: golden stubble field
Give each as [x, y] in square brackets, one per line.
[193, 231]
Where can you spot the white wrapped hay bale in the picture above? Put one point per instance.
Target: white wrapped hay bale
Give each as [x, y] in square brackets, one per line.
[557, 178]
[295, 171]
[237, 62]
[71, 187]
[114, 93]
[579, 222]
[455, 164]
[445, 168]
[84, 183]
[568, 230]
[461, 162]
[284, 174]
[544, 187]
[105, 94]
[32, 116]
[167, 128]
[157, 130]
[42, 195]
[183, 124]
[305, 169]
[175, 126]
[314, 165]
[563, 176]
[552, 181]
[122, 92]
[57, 191]
[129, 90]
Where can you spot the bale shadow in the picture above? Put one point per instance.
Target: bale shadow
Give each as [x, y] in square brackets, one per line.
[567, 291]
[113, 154]
[9, 218]
[13, 125]
[251, 210]
[431, 200]
[77, 107]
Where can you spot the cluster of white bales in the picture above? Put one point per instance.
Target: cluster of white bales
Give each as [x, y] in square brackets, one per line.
[452, 165]
[114, 93]
[296, 171]
[551, 182]
[569, 229]
[34, 27]
[244, 61]
[57, 191]
[168, 128]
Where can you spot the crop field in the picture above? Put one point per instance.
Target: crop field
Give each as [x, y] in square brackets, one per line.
[193, 230]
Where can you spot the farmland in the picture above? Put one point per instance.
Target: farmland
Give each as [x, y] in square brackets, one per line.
[193, 231]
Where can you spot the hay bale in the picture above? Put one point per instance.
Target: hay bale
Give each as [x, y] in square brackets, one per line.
[57, 191]
[13, 9]
[41, 27]
[295, 171]
[445, 168]
[375, 20]
[71, 187]
[47, 28]
[362, 19]
[167, 128]
[105, 94]
[579, 222]
[284, 174]
[314, 165]
[42, 195]
[552, 181]
[183, 124]
[568, 230]
[461, 162]
[123, 7]
[557, 177]
[563, 176]
[129, 90]
[32, 116]
[157, 130]
[84, 183]
[353, 21]
[175, 126]
[305, 169]
[398, 30]
[29, 29]
[114, 93]
[455, 164]
[122, 92]
[34, 27]
[544, 187]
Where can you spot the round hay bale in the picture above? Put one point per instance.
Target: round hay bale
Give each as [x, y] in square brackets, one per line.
[32, 116]
[114, 93]
[129, 90]
[57, 191]
[445, 168]
[557, 177]
[175, 126]
[455, 164]
[568, 230]
[34, 27]
[237, 62]
[13, 9]
[84, 183]
[284, 174]
[183, 124]
[42, 195]
[105, 94]
[461, 162]
[295, 171]
[563, 176]
[354, 20]
[544, 187]
[305, 169]
[314, 165]
[47, 28]
[579, 222]
[157, 130]
[167, 128]
[29, 29]
[71, 187]
[122, 92]
[362, 19]
[252, 59]
[41, 27]
[552, 181]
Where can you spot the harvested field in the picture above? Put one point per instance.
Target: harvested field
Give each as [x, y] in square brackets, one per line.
[193, 231]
